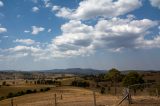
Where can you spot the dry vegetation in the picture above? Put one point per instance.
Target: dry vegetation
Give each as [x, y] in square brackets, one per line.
[73, 96]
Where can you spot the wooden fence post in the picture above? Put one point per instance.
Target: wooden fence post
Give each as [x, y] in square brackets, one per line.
[129, 96]
[61, 97]
[94, 98]
[55, 99]
[11, 101]
[157, 93]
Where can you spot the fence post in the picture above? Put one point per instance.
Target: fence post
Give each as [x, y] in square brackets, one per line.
[61, 97]
[157, 93]
[129, 96]
[11, 101]
[94, 98]
[55, 99]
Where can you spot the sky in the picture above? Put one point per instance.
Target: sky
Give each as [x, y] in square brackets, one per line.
[98, 34]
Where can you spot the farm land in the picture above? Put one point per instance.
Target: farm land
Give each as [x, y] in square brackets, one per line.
[52, 89]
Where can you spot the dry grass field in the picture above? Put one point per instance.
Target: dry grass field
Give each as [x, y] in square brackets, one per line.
[73, 96]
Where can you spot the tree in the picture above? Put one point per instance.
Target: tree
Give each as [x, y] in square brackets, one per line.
[4, 83]
[132, 78]
[114, 76]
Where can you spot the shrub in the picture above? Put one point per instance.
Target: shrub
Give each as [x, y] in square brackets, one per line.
[4, 83]
[10, 95]
[41, 90]
[47, 89]
[34, 91]
[1, 98]
[103, 90]
[29, 91]
[80, 83]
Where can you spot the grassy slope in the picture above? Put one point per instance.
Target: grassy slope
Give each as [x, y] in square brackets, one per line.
[72, 96]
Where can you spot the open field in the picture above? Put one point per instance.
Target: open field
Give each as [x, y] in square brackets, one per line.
[73, 96]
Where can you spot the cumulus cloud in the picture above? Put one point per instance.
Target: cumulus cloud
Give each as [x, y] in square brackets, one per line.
[155, 3]
[113, 35]
[75, 40]
[118, 34]
[35, 9]
[1, 4]
[2, 30]
[79, 39]
[36, 30]
[25, 41]
[99, 8]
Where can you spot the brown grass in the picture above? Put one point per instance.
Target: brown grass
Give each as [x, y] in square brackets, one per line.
[73, 96]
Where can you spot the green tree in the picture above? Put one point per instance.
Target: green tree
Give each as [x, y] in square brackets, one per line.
[131, 79]
[114, 76]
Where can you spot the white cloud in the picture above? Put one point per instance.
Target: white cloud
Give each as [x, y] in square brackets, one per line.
[56, 8]
[36, 30]
[121, 33]
[113, 35]
[22, 51]
[35, 9]
[47, 3]
[104, 8]
[25, 41]
[1, 4]
[79, 39]
[74, 41]
[2, 30]
[5, 36]
[49, 30]
[26, 31]
[155, 3]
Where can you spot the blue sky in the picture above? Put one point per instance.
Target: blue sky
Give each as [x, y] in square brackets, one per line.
[100, 34]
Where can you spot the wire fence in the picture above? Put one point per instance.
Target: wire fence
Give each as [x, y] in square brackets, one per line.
[61, 99]
[144, 94]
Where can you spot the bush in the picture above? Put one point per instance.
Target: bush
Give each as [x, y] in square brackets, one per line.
[47, 89]
[10, 95]
[1, 98]
[109, 88]
[41, 90]
[29, 91]
[103, 90]
[80, 83]
[4, 83]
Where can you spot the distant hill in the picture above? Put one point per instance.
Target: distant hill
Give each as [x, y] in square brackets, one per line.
[140, 71]
[76, 71]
